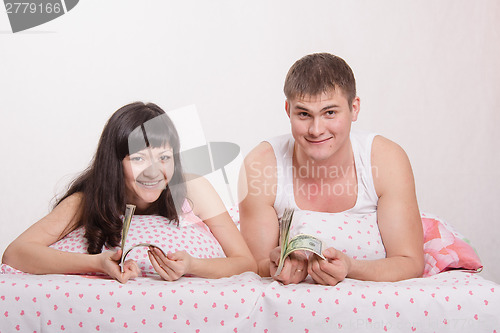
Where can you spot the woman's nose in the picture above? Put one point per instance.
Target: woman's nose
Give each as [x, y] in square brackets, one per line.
[152, 171]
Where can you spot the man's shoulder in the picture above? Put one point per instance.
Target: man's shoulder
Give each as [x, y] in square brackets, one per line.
[266, 151]
[260, 176]
[391, 164]
[261, 155]
[383, 148]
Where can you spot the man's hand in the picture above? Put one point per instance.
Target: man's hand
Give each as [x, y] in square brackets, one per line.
[295, 267]
[330, 271]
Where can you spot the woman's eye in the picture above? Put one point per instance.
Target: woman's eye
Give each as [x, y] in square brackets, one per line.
[165, 158]
[136, 158]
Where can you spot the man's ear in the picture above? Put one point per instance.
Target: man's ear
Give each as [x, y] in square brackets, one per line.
[355, 106]
[287, 108]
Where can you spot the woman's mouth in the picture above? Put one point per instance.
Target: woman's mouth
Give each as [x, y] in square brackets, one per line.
[149, 184]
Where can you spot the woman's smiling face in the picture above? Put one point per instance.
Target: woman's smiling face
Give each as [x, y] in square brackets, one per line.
[147, 173]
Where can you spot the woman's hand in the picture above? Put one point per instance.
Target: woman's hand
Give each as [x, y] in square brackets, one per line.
[109, 264]
[294, 269]
[172, 266]
[330, 271]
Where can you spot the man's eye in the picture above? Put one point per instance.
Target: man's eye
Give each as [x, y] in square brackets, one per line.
[330, 113]
[303, 114]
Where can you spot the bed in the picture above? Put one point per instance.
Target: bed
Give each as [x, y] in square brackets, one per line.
[454, 300]
[451, 297]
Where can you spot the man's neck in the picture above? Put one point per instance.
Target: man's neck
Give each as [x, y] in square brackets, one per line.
[336, 166]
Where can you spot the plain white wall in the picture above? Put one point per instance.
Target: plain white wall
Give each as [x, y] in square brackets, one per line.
[427, 71]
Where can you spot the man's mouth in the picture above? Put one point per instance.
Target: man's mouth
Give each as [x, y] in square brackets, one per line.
[315, 141]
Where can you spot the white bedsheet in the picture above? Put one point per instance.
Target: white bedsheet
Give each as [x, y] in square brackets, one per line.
[453, 301]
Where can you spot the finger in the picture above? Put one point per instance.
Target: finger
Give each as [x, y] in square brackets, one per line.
[117, 255]
[179, 255]
[315, 271]
[334, 273]
[331, 253]
[174, 264]
[158, 253]
[111, 267]
[325, 272]
[115, 273]
[297, 271]
[132, 267]
[274, 256]
[285, 271]
[169, 265]
[287, 274]
[316, 278]
[160, 258]
[163, 272]
[298, 276]
[299, 264]
[118, 276]
[130, 271]
[159, 250]
[159, 269]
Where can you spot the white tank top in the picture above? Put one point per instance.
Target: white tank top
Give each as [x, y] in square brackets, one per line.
[361, 142]
[353, 231]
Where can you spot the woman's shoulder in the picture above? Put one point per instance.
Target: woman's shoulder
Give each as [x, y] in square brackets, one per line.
[73, 200]
[203, 197]
[196, 182]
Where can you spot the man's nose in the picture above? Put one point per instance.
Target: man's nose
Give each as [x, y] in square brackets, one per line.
[316, 127]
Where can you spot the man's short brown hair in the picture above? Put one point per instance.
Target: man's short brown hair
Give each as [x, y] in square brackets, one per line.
[318, 73]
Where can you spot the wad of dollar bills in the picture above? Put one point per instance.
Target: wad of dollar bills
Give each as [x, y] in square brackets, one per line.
[302, 242]
[127, 219]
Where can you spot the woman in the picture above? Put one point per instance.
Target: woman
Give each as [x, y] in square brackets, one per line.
[137, 162]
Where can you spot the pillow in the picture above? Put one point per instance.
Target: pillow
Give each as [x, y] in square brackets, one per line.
[192, 235]
[234, 212]
[445, 248]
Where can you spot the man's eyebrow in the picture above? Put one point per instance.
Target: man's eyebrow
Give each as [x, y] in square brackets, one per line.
[332, 106]
[300, 107]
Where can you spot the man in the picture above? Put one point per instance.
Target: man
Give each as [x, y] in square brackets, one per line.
[325, 167]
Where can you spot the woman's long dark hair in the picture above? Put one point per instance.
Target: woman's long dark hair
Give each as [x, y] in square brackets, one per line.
[130, 129]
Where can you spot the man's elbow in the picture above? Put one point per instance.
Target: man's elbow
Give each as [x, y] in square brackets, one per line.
[8, 256]
[417, 267]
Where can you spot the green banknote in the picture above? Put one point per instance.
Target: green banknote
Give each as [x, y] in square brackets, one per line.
[302, 242]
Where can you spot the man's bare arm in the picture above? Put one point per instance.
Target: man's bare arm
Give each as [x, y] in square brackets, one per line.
[398, 220]
[258, 220]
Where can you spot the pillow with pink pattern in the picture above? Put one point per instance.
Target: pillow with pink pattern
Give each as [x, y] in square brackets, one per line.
[445, 248]
[192, 235]
[234, 213]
